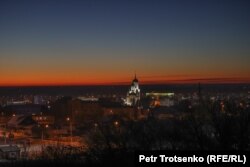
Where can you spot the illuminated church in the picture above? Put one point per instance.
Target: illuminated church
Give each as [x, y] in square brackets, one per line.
[133, 95]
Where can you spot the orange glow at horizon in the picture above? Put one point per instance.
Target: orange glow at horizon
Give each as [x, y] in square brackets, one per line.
[120, 73]
[51, 80]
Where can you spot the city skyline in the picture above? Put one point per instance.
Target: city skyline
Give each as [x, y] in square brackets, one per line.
[99, 43]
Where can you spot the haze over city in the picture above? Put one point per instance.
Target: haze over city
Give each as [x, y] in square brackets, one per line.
[105, 42]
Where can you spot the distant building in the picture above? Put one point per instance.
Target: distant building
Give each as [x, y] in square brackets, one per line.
[9, 152]
[21, 121]
[18, 102]
[38, 100]
[44, 119]
[87, 99]
[133, 95]
[160, 94]
[161, 99]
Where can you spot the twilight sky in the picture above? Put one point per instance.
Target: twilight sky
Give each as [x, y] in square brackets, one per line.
[58, 42]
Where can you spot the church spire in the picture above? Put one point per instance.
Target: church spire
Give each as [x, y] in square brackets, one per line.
[135, 79]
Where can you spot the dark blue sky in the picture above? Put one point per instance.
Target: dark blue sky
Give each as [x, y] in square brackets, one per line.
[102, 40]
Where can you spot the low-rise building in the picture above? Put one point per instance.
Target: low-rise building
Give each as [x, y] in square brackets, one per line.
[9, 152]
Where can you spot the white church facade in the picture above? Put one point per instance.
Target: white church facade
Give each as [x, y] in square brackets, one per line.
[133, 95]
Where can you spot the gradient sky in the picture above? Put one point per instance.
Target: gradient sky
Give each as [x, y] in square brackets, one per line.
[51, 42]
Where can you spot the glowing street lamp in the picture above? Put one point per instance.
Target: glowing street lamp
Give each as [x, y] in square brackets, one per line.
[116, 123]
[117, 127]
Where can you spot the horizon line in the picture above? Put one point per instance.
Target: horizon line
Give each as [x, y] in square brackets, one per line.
[124, 84]
[205, 80]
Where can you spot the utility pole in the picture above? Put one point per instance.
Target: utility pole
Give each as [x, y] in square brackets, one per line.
[42, 135]
[43, 128]
[71, 133]
[70, 128]
[5, 133]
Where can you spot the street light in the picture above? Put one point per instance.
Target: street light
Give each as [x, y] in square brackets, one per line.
[96, 126]
[116, 123]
